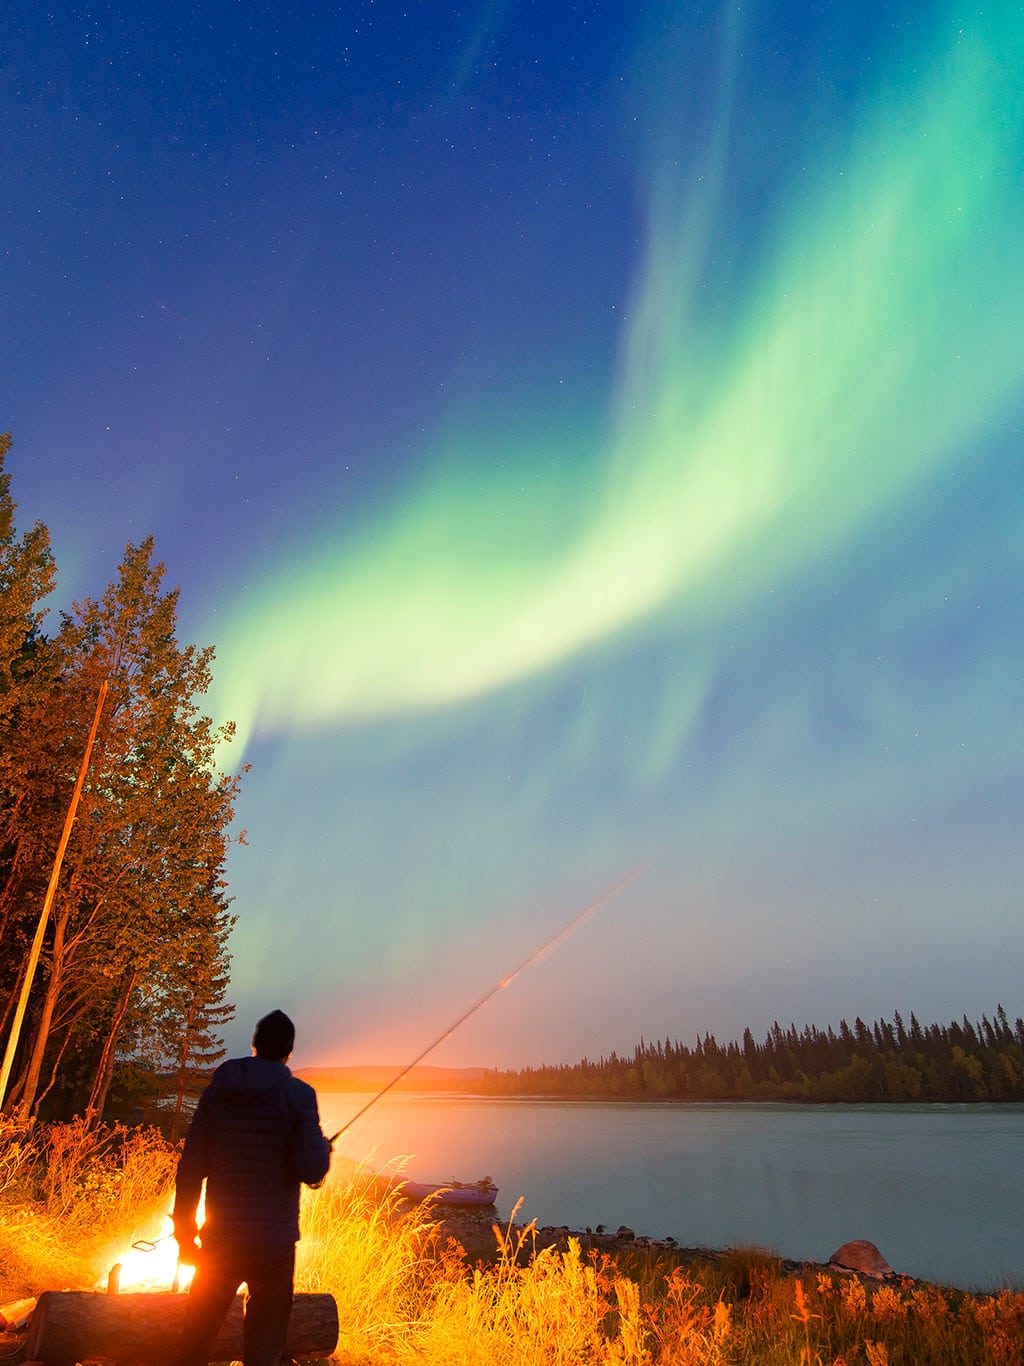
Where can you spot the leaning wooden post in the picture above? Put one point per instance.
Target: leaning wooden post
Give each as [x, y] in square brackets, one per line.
[44, 914]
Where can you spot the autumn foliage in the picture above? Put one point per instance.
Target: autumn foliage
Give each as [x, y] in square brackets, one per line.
[129, 989]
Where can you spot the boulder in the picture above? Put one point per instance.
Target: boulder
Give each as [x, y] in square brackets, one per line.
[863, 1257]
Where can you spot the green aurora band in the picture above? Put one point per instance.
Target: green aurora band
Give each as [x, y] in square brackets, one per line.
[879, 329]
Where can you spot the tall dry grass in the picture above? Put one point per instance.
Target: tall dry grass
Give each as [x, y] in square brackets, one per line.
[71, 1199]
[407, 1296]
[72, 1196]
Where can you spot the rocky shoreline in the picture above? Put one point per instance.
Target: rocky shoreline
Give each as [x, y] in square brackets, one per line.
[477, 1232]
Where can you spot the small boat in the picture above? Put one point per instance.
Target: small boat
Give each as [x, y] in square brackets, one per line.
[468, 1193]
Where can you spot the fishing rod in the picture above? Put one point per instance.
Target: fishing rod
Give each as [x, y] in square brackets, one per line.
[578, 919]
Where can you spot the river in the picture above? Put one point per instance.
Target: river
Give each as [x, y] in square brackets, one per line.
[939, 1188]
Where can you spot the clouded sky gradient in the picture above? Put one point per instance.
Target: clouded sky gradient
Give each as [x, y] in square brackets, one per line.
[592, 437]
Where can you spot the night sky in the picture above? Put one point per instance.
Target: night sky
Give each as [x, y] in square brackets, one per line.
[592, 438]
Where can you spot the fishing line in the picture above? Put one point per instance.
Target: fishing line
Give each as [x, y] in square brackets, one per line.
[150, 1244]
[578, 919]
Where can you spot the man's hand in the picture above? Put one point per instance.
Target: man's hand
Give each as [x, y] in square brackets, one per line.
[185, 1233]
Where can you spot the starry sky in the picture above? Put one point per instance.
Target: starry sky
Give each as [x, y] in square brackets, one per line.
[592, 438]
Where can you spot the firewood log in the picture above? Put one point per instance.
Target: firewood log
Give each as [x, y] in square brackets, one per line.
[82, 1326]
[15, 1314]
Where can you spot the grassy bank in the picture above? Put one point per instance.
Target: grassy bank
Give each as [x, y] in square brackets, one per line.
[71, 1200]
[405, 1296]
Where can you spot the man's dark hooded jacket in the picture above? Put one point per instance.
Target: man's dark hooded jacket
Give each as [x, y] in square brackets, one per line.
[255, 1137]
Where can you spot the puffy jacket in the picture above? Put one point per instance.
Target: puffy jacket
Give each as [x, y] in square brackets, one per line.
[256, 1138]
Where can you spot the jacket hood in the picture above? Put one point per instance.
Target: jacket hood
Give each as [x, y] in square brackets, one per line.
[243, 1079]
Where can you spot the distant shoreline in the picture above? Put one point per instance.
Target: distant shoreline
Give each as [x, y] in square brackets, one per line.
[887, 1063]
[438, 1086]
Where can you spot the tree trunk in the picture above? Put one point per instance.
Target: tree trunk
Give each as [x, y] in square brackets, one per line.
[179, 1099]
[55, 1068]
[53, 985]
[105, 1071]
[93, 1329]
[11, 1002]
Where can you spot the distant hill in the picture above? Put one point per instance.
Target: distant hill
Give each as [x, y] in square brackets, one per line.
[372, 1077]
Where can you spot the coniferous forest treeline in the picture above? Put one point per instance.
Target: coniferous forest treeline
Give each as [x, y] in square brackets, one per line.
[890, 1061]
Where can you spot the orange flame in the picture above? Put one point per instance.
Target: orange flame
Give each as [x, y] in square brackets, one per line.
[153, 1264]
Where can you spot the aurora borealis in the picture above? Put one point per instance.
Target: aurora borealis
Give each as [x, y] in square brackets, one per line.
[589, 440]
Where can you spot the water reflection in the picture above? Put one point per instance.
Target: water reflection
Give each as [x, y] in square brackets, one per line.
[940, 1189]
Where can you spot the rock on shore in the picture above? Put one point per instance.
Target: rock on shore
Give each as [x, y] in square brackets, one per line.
[478, 1233]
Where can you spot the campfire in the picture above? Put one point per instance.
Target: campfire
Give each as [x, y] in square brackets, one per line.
[149, 1264]
[135, 1313]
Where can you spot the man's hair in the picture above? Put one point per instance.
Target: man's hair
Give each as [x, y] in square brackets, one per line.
[274, 1037]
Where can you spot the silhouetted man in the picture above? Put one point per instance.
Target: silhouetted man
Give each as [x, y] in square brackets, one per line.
[256, 1138]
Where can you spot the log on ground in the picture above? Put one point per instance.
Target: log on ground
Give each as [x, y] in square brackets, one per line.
[82, 1326]
[16, 1313]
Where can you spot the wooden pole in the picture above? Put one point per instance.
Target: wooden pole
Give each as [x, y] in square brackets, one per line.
[44, 914]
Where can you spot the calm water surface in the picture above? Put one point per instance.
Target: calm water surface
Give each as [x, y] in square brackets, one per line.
[939, 1188]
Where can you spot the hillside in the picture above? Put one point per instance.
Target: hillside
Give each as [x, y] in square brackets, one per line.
[373, 1077]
